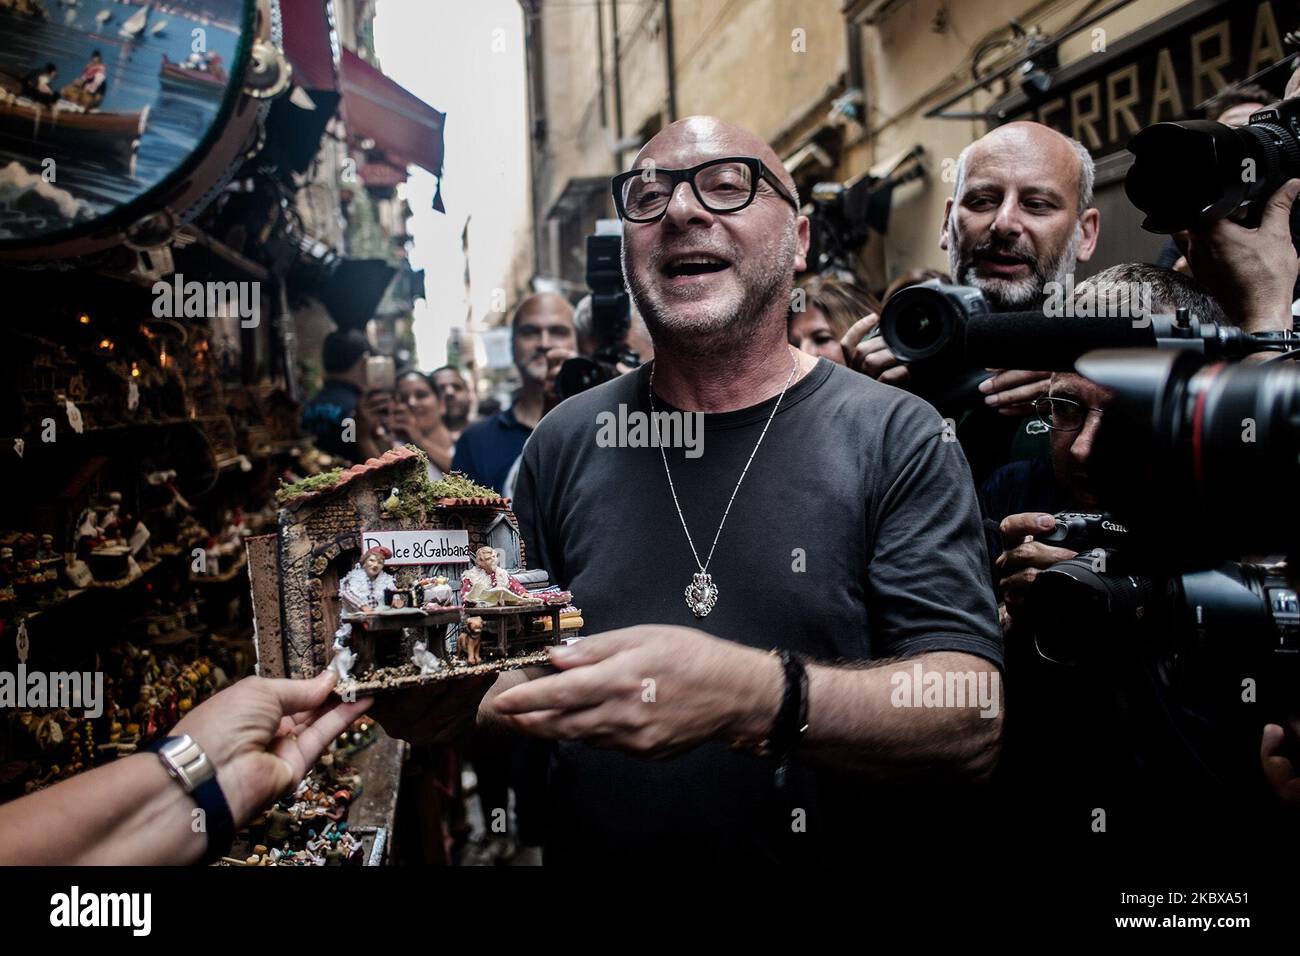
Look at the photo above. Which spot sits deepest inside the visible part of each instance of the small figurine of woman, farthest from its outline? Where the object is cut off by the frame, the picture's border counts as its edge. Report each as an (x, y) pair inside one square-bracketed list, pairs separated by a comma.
[(363, 587), (485, 583)]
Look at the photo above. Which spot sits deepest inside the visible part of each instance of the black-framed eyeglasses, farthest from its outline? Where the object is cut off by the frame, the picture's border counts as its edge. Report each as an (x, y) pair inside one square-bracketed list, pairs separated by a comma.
[(721, 185), (1063, 414)]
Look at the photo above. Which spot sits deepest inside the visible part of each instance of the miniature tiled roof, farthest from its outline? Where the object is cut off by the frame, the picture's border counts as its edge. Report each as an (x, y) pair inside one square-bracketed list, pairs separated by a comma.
[(496, 501), (386, 460)]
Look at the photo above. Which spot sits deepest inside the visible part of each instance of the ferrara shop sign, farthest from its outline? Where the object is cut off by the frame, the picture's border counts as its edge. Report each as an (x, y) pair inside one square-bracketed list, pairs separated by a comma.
[(1161, 71)]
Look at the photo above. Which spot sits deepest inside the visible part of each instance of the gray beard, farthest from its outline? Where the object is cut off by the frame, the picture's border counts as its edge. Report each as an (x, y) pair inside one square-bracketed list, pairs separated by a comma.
[(1016, 294), (721, 328)]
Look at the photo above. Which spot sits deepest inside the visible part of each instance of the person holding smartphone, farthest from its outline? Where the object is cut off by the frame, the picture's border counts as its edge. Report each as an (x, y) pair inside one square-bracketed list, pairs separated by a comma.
[(374, 433)]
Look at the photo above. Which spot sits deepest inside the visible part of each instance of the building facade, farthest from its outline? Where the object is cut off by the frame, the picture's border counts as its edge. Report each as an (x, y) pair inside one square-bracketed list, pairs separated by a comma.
[(863, 94)]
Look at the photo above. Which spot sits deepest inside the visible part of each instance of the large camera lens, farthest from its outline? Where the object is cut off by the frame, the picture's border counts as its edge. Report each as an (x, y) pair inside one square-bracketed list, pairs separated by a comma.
[(1242, 612), (919, 330), (926, 323), (1198, 171), (1076, 606), (1192, 456)]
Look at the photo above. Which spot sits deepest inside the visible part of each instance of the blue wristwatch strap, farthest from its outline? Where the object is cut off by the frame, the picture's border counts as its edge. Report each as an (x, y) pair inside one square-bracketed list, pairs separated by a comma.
[(218, 822)]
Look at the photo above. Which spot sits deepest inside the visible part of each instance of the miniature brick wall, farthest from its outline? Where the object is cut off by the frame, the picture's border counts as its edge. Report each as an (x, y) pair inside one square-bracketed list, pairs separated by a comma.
[(310, 538)]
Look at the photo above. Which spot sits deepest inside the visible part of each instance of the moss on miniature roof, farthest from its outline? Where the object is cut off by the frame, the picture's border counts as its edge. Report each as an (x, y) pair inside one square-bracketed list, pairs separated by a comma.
[(309, 485), (457, 485), (417, 495)]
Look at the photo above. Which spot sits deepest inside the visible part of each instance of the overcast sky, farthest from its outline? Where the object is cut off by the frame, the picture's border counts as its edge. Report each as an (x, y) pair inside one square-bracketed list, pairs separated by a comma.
[(465, 59)]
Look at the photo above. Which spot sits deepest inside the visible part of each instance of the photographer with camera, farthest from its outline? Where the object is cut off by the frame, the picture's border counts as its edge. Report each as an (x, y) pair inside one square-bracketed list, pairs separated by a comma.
[(612, 338), (1021, 497), (1224, 190), (1051, 743), (1021, 217), (542, 337), (631, 349)]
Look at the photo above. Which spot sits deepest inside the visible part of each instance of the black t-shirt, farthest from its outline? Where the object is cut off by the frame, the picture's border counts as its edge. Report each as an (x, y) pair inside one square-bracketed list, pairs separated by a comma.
[(855, 535)]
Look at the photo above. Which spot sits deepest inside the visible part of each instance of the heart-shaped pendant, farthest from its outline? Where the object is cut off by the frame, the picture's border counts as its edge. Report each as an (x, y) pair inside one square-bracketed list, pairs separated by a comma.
[(701, 594)]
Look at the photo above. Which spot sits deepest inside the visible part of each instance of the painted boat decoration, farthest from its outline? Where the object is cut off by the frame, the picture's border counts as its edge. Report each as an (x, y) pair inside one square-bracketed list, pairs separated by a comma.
[(110, 138)]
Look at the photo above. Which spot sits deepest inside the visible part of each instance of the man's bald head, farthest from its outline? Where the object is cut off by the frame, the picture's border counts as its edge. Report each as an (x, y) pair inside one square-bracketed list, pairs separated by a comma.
[(1027, 138), (542, 303), (709, 137)]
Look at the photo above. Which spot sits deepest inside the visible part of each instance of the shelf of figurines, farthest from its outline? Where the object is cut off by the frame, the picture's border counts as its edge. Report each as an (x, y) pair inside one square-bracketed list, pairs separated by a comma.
[(112, 552), (134, 696), (95, 369)]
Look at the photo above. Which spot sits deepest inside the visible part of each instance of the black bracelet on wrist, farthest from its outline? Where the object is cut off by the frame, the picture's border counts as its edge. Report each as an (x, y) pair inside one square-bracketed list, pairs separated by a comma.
[(792, 718)]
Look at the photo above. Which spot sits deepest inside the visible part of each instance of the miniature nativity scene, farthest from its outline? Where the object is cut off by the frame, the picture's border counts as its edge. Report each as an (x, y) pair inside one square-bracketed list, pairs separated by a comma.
[(394, 580)]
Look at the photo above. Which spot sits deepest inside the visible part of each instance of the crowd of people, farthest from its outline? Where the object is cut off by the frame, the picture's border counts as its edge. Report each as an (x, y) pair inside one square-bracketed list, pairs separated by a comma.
[(832, 537)]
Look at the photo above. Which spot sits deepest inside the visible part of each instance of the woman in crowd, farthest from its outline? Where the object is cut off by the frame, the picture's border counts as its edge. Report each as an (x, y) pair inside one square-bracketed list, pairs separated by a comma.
[(822, 311), (416, 418)]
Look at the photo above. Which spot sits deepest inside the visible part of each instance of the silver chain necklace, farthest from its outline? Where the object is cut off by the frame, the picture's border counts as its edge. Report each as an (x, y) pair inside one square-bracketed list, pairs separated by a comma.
[(702, 593)]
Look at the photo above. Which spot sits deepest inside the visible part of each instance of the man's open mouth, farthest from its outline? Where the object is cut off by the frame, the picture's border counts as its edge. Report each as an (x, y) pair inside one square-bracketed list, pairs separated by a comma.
[(1002, 260), (693, 265)]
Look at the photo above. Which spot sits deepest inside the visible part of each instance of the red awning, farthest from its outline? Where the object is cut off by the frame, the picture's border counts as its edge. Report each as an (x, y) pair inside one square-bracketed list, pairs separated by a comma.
[(381, 175), (406, 128), (311, 43)]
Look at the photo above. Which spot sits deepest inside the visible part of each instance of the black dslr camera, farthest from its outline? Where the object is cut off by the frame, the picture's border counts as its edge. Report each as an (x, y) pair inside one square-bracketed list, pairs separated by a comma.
[(611, 318), (948, 335), (1179, 459), (1196, 171), (1085, 531), (1199, 632)]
